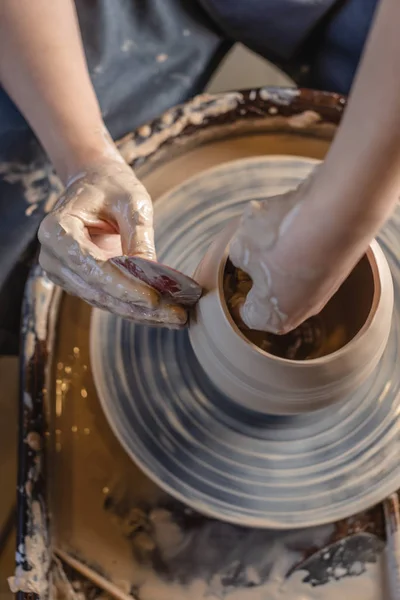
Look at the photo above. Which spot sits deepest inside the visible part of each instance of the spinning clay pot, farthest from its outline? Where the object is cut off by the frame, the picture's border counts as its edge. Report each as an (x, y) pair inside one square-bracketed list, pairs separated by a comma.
[(353, 330)]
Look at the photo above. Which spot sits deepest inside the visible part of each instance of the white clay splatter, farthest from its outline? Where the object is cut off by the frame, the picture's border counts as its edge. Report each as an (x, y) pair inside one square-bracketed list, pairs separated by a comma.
[(304, 119), (41, 291), (31, 209), (280, 96), (98, 69), (127, 45), (36, 554), (367, 586), (32, 181), (193, 113)]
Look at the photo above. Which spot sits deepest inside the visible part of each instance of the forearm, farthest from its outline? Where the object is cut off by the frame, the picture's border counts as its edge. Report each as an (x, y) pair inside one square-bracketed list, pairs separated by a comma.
[(357, 187), (43, 69), (361, 174), (327, 223), (367, 147)]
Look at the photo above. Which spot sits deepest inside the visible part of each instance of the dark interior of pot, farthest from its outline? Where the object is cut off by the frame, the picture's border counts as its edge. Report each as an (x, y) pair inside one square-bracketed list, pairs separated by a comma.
[(335, 326)]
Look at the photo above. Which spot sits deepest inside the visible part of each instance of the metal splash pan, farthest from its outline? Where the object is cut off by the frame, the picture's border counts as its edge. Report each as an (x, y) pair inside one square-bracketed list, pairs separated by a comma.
[(82, 499)]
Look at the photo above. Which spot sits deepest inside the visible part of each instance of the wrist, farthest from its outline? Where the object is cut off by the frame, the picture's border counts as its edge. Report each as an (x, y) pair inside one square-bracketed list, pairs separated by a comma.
[(77, 154)]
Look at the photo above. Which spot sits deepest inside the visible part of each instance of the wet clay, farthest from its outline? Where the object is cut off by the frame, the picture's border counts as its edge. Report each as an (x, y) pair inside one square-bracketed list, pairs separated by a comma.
[(325, 333)]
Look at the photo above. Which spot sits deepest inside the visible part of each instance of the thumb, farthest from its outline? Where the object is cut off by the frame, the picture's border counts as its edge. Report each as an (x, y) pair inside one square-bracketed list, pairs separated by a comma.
[(137, 240), (135, 223)]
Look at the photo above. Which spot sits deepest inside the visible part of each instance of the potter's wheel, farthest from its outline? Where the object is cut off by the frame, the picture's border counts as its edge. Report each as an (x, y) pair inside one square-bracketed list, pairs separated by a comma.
[(276, 472)]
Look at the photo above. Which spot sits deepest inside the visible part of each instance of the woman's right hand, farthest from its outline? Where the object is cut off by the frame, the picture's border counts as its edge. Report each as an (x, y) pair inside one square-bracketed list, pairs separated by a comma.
[(105, 212)]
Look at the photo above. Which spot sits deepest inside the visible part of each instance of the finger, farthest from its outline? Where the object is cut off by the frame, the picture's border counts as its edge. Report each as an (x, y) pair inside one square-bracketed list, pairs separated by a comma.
[(67, 239), (262, 313), (170, 315), (135, 222)]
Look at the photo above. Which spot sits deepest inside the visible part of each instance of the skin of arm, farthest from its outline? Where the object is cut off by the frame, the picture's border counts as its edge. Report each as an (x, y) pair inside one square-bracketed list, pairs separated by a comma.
[(43, 69), (329, 221)]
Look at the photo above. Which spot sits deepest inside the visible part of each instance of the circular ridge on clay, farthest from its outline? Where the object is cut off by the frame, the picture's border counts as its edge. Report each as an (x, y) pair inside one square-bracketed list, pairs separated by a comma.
[(220, 458)]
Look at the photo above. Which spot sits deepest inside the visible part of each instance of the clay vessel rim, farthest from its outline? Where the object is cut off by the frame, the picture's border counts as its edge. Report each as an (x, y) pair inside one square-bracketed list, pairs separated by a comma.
[(370, 255)]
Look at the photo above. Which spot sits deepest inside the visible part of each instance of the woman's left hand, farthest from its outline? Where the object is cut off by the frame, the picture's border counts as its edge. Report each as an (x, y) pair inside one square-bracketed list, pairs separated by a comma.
[(297, 255)]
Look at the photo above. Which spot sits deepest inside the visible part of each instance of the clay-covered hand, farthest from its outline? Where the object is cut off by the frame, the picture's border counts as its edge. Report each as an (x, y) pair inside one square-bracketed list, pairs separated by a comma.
[(105, 212), (297, 253)]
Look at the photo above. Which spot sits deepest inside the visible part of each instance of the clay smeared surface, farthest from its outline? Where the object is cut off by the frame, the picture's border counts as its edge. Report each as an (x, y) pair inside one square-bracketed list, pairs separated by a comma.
[(39, 184)]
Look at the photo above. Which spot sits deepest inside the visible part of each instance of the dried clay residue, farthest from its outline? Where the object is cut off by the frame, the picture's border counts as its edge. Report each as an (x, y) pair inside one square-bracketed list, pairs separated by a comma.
[(280, 96), (303, 343), (33, 555), (35, 326), (361, 587), (39, 184), (193, 113), (180, 554), (33, 558), (304, 120)]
